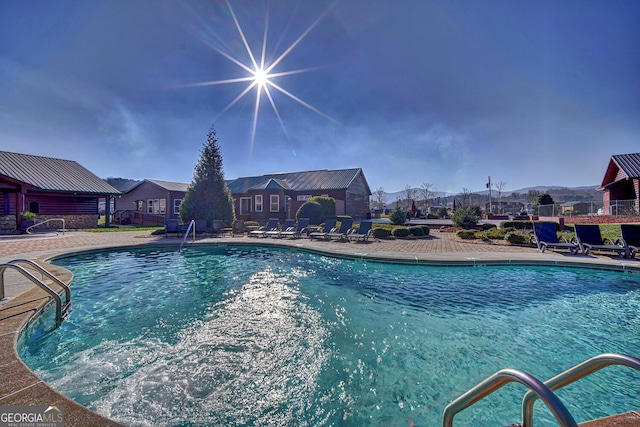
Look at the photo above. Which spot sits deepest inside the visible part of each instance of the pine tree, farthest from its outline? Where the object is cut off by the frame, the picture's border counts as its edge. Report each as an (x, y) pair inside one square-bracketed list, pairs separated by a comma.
[(208, 196)]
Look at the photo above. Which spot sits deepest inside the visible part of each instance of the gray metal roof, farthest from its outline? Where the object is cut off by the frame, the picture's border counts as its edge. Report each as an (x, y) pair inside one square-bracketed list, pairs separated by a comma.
[(168, 185), (49, 174), (628, 163), (297, 181)]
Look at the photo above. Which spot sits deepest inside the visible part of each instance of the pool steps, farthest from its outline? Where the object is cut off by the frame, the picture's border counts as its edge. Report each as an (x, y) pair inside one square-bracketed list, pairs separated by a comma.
[(544, 391), (62, 309)]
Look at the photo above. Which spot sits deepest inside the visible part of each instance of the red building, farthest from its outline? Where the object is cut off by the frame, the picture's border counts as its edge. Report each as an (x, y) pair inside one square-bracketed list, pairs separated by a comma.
[(48, 188), (621, 185)]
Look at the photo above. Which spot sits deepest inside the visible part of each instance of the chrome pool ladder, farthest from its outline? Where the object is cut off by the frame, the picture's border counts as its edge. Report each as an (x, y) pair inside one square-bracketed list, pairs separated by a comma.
[(537, 389), (62, 309)]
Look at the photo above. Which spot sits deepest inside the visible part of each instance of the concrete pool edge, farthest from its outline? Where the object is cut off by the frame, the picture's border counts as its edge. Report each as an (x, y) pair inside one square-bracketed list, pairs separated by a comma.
[(20, 386)]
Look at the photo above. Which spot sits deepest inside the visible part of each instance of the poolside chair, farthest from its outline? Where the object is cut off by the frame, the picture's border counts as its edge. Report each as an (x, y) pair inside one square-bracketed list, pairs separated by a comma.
[(545, 236), (217, 227), (287, 225), (630, 238), (341, 234), (362, 233), (329, 225), (272, 224), (589, 238), (172, 226), (238, 228), (200, 226), (303, 223)]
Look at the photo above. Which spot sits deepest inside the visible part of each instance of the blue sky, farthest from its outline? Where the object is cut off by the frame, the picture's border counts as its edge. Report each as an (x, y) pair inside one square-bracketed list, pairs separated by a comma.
[(440, 92)]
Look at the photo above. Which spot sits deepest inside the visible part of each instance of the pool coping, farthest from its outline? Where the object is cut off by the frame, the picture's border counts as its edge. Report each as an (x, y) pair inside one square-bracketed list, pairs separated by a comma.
[(20, 386)]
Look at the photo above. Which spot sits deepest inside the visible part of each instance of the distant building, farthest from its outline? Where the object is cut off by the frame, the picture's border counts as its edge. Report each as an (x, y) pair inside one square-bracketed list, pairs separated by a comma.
[(621, 185), (150, 202), (48, 188), (280, 195)]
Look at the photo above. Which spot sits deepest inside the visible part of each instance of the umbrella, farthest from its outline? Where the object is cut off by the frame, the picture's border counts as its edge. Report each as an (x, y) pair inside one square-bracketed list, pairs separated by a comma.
[(413, 208)]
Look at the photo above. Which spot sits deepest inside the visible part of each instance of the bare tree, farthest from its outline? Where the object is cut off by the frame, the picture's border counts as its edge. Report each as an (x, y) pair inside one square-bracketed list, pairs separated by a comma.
[(380, 197), (410, 194), (427, 193), (500, 187), (466, 196)]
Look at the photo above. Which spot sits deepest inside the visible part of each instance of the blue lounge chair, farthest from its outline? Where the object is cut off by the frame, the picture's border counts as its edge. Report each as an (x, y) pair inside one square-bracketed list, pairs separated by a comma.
[(345, 228), (287, 225), (545, 236), (238, 228), (172, 226), (362, 233), (589, 238), (272, 224), (303, 223), (630, 238), (329, 225)]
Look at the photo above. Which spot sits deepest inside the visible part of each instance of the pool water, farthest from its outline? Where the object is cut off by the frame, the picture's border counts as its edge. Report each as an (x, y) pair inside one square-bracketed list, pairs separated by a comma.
[(257, 336)]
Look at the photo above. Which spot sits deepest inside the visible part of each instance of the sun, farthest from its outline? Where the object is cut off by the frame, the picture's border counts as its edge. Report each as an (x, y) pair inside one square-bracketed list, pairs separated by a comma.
[(260, 77)]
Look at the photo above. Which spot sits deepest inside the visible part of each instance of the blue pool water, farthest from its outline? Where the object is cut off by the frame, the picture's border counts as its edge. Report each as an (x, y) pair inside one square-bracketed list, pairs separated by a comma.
[(256, 336)]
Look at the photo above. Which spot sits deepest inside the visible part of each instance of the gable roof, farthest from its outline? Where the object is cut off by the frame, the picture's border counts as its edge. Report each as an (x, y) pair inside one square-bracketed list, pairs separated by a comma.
[(621, 167), (50, 174), (167, 185), (298, 181)]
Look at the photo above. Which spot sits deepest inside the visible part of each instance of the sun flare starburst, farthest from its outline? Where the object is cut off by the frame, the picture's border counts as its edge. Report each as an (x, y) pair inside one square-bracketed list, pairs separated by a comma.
[(260, 76)]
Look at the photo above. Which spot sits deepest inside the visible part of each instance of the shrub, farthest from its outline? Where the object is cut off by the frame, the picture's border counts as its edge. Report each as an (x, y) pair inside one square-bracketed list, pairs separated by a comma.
[(466, 216), (341, 218), (515, 238), (328, 205), (381, 233), (251, 224), (313, 211), (416, 231), (497, 233), (518, 225), (466, 234), (486, 227), (426, 230), (398, 216), (400, 232)]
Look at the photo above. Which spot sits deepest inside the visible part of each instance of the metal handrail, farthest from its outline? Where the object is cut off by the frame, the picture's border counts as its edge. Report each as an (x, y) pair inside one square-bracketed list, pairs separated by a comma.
[(573, 374), (41, 270), (500, 379), (29, 229), (192, 224), (39, 283)]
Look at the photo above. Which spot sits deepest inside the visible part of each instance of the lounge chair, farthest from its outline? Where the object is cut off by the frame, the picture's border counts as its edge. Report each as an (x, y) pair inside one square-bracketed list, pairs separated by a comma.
[(329, 225), (217, 227), (341, 234), (589, 238), (630, 238), (238, 228), (200, 226), (272, 224), (303, 223), (545, 236), (362, 233), (287, 225), (172, 226)]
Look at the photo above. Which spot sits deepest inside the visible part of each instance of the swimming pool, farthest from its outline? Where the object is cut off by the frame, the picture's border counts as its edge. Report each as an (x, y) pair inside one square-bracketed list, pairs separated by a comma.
[(255, 336)]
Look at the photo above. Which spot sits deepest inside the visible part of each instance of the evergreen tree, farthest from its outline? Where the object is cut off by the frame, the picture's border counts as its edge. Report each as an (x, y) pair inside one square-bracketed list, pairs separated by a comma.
[(208, 196)]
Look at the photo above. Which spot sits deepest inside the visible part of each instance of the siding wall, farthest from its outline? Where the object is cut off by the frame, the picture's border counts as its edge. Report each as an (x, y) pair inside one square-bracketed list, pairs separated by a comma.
[(144, 192)]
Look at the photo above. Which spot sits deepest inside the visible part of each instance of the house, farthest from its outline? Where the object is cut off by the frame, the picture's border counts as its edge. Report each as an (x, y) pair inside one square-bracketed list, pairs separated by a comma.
[(280, 195), (48, 188), (575, 208), (621, 185), (150, 201)]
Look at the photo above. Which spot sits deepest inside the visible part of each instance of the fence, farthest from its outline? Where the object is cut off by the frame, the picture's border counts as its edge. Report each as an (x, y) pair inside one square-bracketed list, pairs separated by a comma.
[(618, 208)]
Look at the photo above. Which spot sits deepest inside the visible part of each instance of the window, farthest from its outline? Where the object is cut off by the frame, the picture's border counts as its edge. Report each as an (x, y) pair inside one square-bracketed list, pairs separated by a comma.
[(176, 206), (156, 206), (34, 207), (258, 203), (303, 198), (245, 205), (139, 205), (274, 203)]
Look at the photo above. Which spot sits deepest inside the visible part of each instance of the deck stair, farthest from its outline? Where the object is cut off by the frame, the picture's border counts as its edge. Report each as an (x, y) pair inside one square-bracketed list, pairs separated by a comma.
[(545, 392)]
